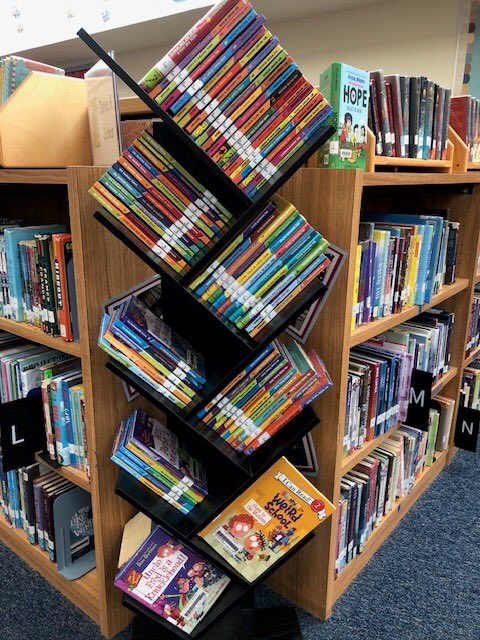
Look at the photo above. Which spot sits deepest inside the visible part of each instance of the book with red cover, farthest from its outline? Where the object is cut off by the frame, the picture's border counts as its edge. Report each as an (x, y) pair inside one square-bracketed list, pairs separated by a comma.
[(459, 116), (62, 254)]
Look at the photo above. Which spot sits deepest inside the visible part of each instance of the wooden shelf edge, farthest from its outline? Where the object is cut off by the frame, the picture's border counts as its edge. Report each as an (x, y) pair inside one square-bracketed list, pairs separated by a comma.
[(388, 524), (372, 329), (26, 331), (444, 380), (386, 179), (133, 106), (475, 353), (83, 593), (79, 478), (383, 161), (33, 176), (473, 166), (353, 459)]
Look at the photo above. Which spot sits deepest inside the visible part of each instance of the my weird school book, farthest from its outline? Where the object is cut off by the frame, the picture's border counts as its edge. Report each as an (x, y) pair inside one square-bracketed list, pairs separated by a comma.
[(172, 580), (272, 516)]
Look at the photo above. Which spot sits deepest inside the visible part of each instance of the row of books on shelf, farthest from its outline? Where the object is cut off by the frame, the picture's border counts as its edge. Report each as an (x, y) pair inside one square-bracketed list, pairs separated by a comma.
[(401, 260), (465, 119), (14, 69), (233, 89), (370, 491), (64, 414), (380, 374), (28, 497), (249, 536), (27, 368), (473, 337), (470, 389), (37, 278), (409, 116)]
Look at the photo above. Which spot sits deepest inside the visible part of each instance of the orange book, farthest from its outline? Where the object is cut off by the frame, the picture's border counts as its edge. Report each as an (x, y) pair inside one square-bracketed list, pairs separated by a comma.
[(268, 520), (62, 253)]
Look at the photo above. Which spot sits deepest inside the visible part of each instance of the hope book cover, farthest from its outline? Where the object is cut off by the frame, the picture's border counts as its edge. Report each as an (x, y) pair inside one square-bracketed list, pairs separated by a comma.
[(172, 580), (347, 89), (272, 516)]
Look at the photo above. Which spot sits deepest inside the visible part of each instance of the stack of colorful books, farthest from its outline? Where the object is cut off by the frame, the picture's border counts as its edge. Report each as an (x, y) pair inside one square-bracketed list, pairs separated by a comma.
[(236, 92), (145, 344), (158, 200), (152, 454), (264, 268), (266, 395)]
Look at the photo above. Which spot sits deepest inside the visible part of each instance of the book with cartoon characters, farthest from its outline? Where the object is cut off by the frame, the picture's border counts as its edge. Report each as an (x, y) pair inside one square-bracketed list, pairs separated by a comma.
[(172, 580), (272, 516), (348, 90)]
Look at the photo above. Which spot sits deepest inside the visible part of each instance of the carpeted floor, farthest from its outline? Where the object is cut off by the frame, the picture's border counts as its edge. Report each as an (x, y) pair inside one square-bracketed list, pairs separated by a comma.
[(423, 584)]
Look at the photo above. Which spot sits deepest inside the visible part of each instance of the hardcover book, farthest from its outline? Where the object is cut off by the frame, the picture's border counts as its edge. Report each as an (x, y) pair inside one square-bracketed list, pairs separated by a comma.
[(269, 519), (347, 90), (172, 580)]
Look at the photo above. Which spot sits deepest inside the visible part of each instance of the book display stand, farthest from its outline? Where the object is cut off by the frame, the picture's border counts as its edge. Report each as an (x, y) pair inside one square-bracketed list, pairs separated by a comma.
[(229, 473)]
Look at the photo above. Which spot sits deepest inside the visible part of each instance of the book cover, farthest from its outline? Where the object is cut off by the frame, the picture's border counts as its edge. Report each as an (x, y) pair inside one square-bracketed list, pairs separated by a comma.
[(172, 580), (347, 89), (273, 515)]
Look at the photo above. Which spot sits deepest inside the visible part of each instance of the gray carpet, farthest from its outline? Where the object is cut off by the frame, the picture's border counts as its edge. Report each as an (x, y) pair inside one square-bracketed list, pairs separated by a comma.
[(423, 584)]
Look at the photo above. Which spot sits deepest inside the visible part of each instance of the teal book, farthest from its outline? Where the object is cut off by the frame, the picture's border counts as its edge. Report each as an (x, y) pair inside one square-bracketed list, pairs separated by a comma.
[(12, 238), (347, 89)]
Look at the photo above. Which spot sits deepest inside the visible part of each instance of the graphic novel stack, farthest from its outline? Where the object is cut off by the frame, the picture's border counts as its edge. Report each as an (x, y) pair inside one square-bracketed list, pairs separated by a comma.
[(264, 269), (151, 453), (236, 92), (266, 395)]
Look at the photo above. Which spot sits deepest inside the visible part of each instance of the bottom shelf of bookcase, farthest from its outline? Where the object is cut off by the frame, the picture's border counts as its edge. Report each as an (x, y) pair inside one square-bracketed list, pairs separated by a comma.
[(83, 593), (388, 524)]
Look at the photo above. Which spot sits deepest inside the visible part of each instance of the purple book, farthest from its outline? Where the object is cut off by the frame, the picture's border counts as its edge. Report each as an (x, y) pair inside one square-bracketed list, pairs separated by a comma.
[(369, 281), (172, 580)]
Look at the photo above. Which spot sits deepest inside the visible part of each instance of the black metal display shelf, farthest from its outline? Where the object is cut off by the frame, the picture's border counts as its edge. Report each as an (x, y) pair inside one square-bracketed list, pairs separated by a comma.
[(206, 441), (238, 588), (199, 163), (225, 481)]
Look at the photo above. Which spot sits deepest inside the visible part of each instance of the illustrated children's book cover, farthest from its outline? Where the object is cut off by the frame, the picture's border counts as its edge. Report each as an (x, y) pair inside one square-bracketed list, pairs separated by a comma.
[(273, 515), (347, 89), (172, 580)]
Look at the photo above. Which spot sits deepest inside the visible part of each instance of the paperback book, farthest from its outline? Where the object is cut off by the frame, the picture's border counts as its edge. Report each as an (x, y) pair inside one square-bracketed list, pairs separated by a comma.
[(267, 521), (172, 580)]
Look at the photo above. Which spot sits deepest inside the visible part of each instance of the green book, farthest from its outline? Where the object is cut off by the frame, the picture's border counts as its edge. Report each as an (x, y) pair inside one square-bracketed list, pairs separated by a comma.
[(432, 437), (347, 89)]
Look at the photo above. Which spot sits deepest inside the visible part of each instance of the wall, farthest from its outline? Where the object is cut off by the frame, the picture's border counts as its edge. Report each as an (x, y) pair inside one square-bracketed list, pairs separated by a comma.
[(413, 37)]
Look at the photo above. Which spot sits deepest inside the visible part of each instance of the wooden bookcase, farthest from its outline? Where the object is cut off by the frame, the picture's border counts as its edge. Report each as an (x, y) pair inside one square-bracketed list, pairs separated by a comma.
[(62, 196), (333, 201)]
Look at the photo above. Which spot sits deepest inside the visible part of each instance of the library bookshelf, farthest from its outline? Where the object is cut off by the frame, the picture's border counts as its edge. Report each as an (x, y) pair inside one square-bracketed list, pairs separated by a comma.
[(308, 578), (62, 196)]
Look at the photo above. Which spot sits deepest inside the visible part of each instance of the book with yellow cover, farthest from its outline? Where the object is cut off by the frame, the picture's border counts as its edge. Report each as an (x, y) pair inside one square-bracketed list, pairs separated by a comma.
[(263, 524)]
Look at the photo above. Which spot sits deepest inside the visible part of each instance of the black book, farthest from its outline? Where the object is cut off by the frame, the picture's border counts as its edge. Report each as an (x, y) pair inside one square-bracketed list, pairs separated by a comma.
[(422, 115), (429, 107), (385, 125), (376, 122), (415, 90), (451, 259), (446, 118), (405, 98)]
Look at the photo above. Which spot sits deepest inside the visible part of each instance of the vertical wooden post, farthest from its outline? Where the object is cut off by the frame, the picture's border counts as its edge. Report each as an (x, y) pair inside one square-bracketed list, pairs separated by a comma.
[(331, 201), (104, 267)]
